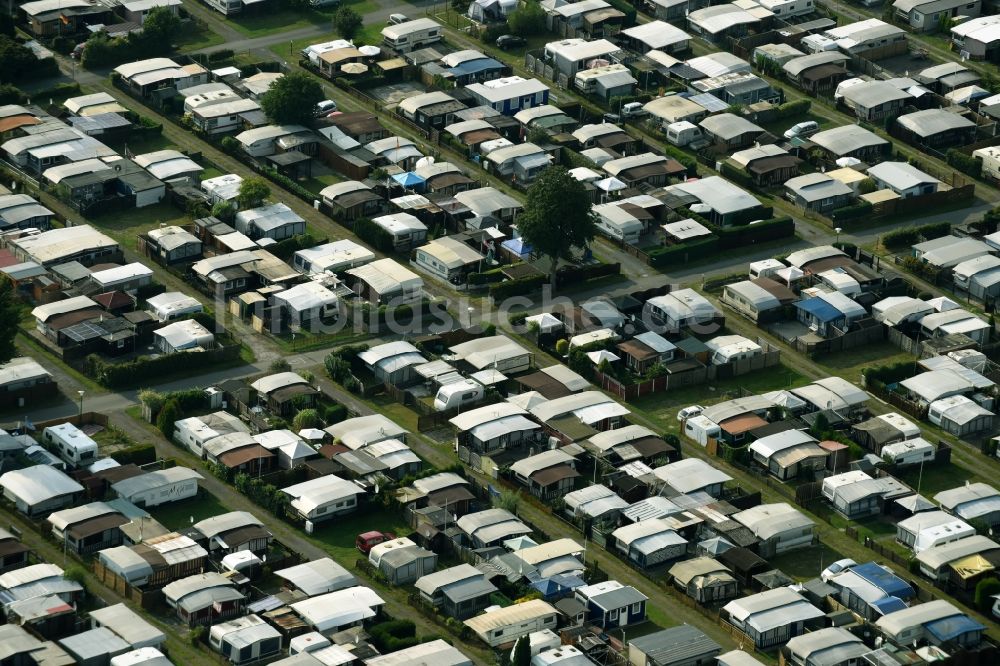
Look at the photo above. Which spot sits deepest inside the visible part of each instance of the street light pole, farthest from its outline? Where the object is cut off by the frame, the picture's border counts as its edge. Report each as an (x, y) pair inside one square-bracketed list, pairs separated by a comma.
[(81, 393), (838, 230)]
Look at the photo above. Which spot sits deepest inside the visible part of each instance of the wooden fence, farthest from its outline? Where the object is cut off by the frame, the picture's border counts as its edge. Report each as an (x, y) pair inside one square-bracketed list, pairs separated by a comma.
[(700, 375), (849, 340)]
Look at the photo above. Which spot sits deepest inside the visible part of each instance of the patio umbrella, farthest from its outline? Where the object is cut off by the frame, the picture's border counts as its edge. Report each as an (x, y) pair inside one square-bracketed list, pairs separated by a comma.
[(610, 184), (312, 434), (354, 68), (369, 50), (848, 161)]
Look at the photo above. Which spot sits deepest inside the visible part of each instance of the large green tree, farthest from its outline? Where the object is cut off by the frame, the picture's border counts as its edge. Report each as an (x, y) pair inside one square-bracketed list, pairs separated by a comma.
[(253, 192), (10, 315), (17, 62), (347, 22), (557, 216), (527, 20), (292, 99), (160, 27)]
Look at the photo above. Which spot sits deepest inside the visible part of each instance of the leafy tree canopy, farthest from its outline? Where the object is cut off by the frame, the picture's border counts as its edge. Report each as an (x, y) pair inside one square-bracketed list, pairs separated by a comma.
[(557, 215), (292, 99)]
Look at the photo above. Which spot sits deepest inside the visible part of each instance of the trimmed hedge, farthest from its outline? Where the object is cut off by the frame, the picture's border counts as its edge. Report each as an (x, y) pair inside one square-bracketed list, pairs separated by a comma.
[(374, 235), (903, 238), (502, 290), (967, 164), (682, 254), (574, 274), (141, 454), (792, 109), (284, 249), (779, 227), (851, 212), (145, 369)]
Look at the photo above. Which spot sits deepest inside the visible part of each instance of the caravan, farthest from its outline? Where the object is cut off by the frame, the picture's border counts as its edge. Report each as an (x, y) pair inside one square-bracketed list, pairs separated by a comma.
[(71, 444), (462, 393), (227, 7)]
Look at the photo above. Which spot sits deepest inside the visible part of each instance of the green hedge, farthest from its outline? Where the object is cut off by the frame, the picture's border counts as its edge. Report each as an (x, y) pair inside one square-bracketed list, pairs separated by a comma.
[(146, 369), (735, 174), (284, 249), (761, 232), (627, 9), (502, 290), (851, 212), (141, 454), (682, 254), (904, 238), (689, 162), (967, 164), (576, 274), (799, 107)]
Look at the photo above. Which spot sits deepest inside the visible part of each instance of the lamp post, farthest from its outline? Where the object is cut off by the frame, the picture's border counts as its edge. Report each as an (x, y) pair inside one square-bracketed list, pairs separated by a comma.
[(838, 230), (81, 394)]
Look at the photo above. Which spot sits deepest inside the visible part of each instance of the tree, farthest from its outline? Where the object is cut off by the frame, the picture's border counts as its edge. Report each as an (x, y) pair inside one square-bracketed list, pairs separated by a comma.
[(159, 28), (170, 414), (347, 22), (292, 99), (521, 656), (527, 20), (17, 62), (307, 418), (10, 315), (985, 590), (557, 216), (253, 192)]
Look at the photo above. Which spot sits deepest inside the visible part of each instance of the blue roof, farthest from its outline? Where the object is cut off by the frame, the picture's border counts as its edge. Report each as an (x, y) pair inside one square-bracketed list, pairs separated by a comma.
[(820, 309), (888, 605), (888, 582), (475, 66), (950, 628)]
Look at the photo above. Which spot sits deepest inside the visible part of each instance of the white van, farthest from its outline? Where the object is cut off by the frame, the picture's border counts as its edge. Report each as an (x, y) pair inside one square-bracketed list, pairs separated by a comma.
[(70, 444), (683, 133), (458, 394)]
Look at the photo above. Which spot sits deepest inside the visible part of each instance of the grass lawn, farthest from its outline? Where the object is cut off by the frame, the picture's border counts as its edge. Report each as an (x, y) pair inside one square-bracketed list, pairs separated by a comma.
[(265, 23), (805, 563), (211, 172), (662, 407), (305, 341), (146, 144), (196, 36), (936, 478), (125, 225), (777, 128), (369, 34), (849, 363), (178, 515), (338, 535), (401, 414)]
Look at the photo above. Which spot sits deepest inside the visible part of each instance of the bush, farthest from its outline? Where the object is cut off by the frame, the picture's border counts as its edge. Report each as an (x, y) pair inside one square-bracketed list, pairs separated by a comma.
[(967, 164), (562, 346), (682, 254), (394, 635), (527, 20), (793, 109), (334, 414), (743, 236), (985, 590), (141, 454), (170, 414), (286, 248), (577, 274)]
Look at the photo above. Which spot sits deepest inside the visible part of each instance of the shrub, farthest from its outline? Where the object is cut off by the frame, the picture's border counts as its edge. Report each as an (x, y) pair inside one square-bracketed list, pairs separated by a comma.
[(967, 164), (853, 212), (374, 235), (518, 287), (334, 414), (141, 454), (985, 590), (170, 414), (904, 238), (562, 346)]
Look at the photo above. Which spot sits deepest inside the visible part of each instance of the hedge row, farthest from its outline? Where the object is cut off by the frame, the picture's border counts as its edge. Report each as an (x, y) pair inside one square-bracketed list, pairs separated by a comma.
[(146, 369), (967, 164), (284, 249), (851, 212), (373, 235), (681, 254), (903, 238), (503, 290), (575, 274), (761, 232)]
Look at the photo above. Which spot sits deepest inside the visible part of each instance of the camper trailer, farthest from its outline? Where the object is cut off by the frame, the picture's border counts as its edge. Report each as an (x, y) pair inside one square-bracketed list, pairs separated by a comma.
[(74, 447), (227, 7), (683, 133), (458, 394), (701, 429), (911, 452)]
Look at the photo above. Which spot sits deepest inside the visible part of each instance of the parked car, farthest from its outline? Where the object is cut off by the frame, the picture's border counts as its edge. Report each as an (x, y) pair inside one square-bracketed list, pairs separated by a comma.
[(690, 412), (805, 128), (368, 540), (325, 108), (77, 51), (836, 568), (509, 41), (396, 19)]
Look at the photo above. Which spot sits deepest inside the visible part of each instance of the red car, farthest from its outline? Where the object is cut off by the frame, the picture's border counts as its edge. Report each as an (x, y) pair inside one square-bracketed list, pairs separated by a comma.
[(367, 540)]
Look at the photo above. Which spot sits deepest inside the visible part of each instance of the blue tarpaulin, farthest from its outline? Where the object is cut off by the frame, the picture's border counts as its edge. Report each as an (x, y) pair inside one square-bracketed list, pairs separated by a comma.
[(950, 628), (888, 582), (820, 309), (409, 179)]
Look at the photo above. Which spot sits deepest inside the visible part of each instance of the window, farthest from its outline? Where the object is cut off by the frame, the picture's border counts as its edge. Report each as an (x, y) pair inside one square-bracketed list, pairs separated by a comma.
[(613, 615), (636, 608)]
